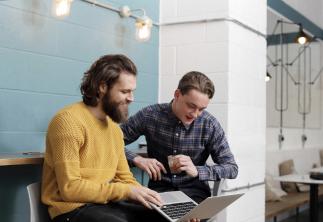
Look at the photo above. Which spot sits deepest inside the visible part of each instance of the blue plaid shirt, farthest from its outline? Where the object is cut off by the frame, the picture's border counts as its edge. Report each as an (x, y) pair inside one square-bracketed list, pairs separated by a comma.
[(166, 135)]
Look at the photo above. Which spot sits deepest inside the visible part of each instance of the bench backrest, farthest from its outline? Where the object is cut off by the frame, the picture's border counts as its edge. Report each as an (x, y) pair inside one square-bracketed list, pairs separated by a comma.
[(303, 159)]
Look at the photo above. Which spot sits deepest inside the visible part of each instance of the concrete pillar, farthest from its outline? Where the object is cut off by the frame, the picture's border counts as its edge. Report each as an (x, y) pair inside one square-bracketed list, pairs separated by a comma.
[(224, 39)]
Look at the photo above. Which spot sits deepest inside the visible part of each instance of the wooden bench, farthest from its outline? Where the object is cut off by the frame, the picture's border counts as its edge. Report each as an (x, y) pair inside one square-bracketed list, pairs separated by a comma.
[(290, 202), (304, 160)]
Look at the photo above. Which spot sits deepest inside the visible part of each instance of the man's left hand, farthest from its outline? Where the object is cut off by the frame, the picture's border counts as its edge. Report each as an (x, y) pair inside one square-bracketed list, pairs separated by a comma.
[(194, 220), (184, 163)]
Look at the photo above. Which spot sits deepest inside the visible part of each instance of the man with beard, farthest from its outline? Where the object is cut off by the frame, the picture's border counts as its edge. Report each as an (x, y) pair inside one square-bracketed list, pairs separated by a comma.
[(86, 177), (181, 135)]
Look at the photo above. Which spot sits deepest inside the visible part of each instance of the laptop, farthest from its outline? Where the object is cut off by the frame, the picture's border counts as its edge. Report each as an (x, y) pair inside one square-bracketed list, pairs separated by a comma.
[(179, 207)]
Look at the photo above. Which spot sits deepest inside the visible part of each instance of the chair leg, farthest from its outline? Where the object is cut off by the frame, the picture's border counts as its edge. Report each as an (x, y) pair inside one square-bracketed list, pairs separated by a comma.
[(275, 219), (297, 213)]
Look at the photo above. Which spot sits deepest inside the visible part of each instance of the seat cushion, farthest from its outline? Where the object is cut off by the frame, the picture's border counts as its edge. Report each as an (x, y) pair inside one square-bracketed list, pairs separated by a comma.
[(273, 189), (285, 168)]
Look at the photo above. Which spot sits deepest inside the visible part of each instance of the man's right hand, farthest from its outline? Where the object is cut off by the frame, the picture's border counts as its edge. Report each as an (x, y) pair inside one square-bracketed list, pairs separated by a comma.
[(151, 166), (145, 196)]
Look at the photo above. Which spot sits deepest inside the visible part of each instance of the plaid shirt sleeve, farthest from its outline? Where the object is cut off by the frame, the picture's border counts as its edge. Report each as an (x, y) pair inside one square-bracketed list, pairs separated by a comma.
[(225, 165), (132, 129), (130, 156)]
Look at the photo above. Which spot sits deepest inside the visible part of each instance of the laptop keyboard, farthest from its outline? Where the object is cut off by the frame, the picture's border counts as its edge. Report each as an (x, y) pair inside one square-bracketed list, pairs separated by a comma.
[(177, 210)]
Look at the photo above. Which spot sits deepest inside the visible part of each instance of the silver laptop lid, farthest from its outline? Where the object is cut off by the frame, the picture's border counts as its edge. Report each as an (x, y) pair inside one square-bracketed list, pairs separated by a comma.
[(206, 209), (210, 207)]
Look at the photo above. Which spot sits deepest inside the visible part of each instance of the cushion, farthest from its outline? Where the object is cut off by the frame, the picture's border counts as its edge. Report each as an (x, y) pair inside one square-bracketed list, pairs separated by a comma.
[(303, 187), (285, 168), (273, 189)]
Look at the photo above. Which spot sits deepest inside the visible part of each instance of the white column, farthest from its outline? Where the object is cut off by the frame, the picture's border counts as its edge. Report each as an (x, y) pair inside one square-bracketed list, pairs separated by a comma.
[(234, 57)]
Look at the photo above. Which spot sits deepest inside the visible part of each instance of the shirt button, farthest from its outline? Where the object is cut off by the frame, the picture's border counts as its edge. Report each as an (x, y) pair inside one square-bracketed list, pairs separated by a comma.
[(176, 134), (175, 151), (174, 176)]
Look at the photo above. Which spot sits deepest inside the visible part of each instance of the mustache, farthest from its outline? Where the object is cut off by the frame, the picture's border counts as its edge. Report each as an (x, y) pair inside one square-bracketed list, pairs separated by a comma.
[(117, 111), (124, 103)]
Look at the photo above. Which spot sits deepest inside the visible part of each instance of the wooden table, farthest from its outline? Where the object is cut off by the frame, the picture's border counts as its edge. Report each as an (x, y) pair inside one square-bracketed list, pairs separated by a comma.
[(26, 158), (34, 158), (29, 158)]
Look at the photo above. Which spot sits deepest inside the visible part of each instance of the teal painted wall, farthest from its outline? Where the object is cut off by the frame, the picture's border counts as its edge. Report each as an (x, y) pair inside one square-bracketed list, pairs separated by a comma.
[(42, 60)]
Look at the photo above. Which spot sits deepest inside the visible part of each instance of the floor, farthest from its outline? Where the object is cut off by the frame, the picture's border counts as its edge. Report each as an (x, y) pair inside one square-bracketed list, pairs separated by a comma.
[(304, 216)]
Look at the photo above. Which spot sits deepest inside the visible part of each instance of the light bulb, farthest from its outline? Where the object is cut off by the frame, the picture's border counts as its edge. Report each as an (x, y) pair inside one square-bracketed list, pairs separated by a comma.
[(62, 8), (143, 28), (267, 77), (302, 37), (302, 40)]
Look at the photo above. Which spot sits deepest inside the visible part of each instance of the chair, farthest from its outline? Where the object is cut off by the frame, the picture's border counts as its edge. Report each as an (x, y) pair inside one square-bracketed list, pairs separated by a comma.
[(38, 211), (216, 187)]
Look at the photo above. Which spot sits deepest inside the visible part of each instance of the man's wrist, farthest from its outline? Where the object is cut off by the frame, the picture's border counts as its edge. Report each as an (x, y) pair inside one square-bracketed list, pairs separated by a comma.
[(203, 173), (130, 156), (137, 159), (196, 173)]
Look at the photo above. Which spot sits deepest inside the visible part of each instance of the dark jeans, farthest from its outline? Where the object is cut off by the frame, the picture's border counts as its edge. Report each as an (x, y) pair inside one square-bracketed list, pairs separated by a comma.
[(112, 212)]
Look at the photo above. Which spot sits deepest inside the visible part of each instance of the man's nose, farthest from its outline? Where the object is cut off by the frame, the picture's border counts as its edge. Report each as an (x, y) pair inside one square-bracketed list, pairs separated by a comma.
[(130, 98), (196, 113)]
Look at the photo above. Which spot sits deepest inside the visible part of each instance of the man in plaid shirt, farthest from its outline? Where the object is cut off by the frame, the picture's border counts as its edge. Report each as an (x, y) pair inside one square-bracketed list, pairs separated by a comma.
[(180, 136)]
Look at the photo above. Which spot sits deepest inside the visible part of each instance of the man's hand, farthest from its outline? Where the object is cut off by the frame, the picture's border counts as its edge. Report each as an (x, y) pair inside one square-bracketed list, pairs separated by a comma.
[(184, 163), (194, 220), (152, 166), (145, 195)]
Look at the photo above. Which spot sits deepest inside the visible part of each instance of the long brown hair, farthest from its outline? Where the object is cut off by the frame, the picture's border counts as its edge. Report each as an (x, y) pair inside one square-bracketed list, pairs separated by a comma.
[(106, 69)]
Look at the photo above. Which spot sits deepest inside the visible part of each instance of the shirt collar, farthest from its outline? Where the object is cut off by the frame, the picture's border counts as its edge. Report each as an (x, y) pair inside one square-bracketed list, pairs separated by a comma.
[(173, 117)]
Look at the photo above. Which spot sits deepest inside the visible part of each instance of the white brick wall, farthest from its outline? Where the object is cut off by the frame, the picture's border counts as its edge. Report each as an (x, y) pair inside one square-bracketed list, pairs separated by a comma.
[(254, 198), (179, 10), (250, 12), (235, 59)]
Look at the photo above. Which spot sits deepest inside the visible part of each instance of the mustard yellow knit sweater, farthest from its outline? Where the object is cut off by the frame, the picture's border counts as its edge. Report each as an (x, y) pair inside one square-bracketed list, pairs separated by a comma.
[(84, 161)]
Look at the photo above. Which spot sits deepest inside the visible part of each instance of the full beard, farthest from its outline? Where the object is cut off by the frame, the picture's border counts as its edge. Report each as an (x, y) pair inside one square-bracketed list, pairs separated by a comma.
[(115, 109)]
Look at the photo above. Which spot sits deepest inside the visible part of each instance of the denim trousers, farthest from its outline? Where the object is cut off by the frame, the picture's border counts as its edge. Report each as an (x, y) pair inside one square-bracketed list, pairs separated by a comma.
[(122, 211)]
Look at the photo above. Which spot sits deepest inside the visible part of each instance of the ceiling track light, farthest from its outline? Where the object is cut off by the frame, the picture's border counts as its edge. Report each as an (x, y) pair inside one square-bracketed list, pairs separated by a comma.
[(62, 8), (302, 37), (143, 23)]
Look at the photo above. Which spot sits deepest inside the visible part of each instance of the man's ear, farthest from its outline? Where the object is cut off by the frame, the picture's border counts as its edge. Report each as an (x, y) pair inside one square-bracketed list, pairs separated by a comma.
[(177, 93), (103, 88)]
